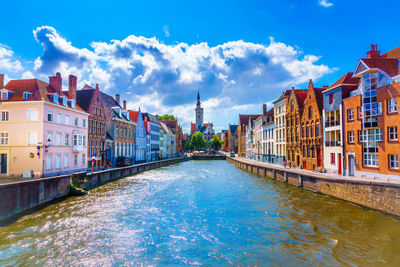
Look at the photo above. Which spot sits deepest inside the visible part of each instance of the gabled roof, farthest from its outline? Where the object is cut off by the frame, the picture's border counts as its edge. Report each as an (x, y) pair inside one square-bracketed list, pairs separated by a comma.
[(40, 91), (285, 94), (346, 79), (245, 118), (388, 65), (84, 97), (301, 95), (394, 53), (233, 128), (134, 115)]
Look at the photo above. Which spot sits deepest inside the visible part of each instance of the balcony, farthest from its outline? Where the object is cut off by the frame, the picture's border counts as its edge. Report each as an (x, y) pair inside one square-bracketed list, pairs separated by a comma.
[(332, 123), (332, 143), (77, 149)]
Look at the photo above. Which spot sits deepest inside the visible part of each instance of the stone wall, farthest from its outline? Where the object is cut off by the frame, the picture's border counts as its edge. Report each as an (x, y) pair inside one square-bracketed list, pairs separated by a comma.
[(21, 197), (381, 196)]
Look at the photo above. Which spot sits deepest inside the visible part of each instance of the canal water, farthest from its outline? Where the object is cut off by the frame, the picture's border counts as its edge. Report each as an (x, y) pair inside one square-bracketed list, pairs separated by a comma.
[(200, 213)]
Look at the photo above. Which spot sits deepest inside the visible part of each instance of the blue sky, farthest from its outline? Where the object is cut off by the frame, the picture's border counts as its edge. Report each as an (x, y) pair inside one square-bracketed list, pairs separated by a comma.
[(239, 54)]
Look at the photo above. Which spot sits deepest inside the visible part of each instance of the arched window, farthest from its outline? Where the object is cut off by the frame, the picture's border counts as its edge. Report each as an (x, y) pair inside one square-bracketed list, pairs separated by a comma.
[(309, 112)]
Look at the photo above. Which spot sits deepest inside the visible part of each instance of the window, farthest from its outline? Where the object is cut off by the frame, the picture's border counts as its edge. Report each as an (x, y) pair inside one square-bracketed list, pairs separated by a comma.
[(58, 139), (362, 136), (4, 115), (307, 131), (76, 121), (32, 138), (370, 159), (350, 114), (83, 159), (49, 138), (392, 133), (350, 137), (360, 113), (392, 105), (4, 95), (66, 161), (75, 140), (59, 118), (58, 161), (84, 140), (32, 115), (393, 161), (79, 140), (55, 98), (308, 151), (332, 158), (4, 138), (67, 119), (50, 116), (309, 112), (66, 139), (26, 95), (316, 130), (84, 123), (312, 130), (331, 98), (75, 160), (48, 162)]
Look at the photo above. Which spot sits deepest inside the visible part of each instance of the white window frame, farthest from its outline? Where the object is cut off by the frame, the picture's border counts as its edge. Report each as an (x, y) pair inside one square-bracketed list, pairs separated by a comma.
[(394, 162), (59, 118), (392, 133), (4, 95), (58, 161), (83, 159), (66, 139), (5, 115), (3, 138), (49, 134), (49, 161), (76, 121), (51, 114), (58, 139), (392, 105), (32, 114), (75, 159), (32, 133), (67, 120), (350, 114), (66, 161), (350, 137)]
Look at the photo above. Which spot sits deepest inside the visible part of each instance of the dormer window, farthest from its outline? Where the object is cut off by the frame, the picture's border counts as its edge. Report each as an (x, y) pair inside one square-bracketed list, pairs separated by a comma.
[(27, 95), (64, 100), (4, 94), (72, 103), (55, 98)]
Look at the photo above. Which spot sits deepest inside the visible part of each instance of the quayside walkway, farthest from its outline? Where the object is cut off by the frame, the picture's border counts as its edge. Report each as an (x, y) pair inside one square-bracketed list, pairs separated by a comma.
[(374, 194), (319, 174)]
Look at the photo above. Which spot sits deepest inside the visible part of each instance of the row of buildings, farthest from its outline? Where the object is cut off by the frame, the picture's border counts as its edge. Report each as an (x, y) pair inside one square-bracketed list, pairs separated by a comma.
[(47, 131), (349, 128)]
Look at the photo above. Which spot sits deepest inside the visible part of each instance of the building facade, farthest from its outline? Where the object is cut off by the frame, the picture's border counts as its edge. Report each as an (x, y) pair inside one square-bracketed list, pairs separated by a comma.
[(43, 131), (153, 127), (280, 127), (294, 110), (269, 138), (334, 138), (311, 129), (89, 99), (140, 136), (232, 145), (243, 133)]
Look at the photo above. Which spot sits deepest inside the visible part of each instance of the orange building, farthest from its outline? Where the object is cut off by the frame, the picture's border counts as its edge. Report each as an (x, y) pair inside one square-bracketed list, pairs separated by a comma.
[(232, 145), (311, 129), (294, 110), (372, 118)]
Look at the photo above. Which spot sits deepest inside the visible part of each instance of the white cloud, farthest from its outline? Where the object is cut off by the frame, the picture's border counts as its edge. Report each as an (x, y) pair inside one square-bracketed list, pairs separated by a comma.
[(232, 77), (8, 62), (325, 3)]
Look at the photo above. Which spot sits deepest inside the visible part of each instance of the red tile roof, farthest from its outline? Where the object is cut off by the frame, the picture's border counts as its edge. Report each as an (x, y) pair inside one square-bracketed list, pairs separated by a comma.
[(244, 118), (388, 65), (40, 91), (285, 94), (133, 115), (301, 95), (192, 127), (346, 79), (394, 53)]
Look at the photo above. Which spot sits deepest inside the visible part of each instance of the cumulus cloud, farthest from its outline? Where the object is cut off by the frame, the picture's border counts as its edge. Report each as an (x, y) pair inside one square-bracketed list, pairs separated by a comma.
[(325, 3), (8, 62), (163, 78)]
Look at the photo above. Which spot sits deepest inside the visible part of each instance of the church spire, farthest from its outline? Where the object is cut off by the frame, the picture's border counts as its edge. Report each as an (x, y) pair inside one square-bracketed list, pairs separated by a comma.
[(198, 96)]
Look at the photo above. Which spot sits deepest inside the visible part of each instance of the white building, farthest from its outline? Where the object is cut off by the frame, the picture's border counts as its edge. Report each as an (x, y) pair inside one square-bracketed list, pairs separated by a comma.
[(280, 127), (268, 138)]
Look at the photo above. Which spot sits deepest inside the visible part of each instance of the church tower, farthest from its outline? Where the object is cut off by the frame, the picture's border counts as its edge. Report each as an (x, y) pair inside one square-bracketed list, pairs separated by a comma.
[(199, 113)]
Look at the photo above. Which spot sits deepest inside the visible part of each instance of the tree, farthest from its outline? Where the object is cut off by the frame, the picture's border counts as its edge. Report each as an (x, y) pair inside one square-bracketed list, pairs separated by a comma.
[(187, 146), (197, 141), (216, 143), (168, 117)]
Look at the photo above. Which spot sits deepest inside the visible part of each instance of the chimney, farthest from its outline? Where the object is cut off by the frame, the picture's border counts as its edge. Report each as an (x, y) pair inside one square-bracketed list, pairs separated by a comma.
[(117, 97), (55, 82), (374, 53), (1, 81), (124, 104), (264, 109), (72, 81)]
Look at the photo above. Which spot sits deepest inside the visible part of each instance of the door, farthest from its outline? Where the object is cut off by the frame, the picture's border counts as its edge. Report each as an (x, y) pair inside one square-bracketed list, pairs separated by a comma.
[(318, 157), (351, 165), (340, 163), (3, 163), (304, 164)]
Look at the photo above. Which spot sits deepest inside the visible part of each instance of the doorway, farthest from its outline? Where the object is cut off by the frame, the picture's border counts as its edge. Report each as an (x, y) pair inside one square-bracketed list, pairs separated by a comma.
[(352, 165), (3, 163), (339, 163)]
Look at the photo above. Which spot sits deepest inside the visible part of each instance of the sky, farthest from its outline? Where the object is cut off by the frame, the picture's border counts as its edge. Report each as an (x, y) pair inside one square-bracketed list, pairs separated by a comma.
[(159, 54)]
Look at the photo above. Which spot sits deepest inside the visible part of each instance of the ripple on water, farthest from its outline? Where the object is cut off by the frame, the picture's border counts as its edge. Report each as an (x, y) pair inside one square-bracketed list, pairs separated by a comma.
[(200, 213)]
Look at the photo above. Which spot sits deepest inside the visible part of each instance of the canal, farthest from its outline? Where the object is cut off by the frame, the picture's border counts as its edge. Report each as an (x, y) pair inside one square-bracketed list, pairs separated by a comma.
[(200, 213)]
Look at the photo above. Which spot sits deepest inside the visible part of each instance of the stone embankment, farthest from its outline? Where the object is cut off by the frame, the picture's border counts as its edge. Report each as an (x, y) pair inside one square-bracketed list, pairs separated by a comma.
[(20, 197), (378, 195)]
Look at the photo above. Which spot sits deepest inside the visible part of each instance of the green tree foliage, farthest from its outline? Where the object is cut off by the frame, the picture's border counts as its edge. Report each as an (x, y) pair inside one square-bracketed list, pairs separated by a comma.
[(167, 116), (197, 141), (216, 143), (187, 146)]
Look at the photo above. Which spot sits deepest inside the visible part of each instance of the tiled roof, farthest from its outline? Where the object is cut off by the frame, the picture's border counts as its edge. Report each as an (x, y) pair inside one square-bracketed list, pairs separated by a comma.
[(301, 95), (346, 79), (40, 91), (388, 65), (285, 94), (244, 118), (84, 97), (394, 53), (192, 127), (134, 115), (109, 102)]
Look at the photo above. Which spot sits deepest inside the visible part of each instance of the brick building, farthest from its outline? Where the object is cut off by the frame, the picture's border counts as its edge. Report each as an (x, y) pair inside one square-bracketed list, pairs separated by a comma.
[(294, 111), (89, 99), (372, 117), (311, 129), (232, 143), (280, 126)]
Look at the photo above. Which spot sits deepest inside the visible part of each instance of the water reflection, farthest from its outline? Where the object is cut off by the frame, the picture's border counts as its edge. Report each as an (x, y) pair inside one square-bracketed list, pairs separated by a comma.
[(201, 213)]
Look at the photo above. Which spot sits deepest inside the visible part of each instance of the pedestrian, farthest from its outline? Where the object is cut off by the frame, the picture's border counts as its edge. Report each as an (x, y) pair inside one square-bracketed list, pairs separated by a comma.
[(284, 164)]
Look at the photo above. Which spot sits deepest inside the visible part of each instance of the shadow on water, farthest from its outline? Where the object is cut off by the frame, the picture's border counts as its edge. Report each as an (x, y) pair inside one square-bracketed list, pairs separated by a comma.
[(201, 213)]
